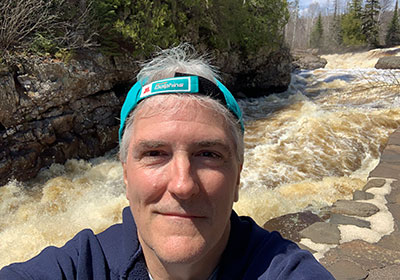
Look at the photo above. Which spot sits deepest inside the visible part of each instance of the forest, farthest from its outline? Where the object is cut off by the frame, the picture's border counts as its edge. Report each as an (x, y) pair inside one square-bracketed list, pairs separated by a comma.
[(59, 27), (343, 25)]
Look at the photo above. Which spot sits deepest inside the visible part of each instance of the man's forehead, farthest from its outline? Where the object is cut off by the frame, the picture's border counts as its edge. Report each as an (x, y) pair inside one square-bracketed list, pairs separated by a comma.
[(173, 107), (213, 127)]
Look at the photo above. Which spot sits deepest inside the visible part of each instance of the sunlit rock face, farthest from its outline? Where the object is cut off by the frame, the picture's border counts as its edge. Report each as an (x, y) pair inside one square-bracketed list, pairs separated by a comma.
[(52, 110)]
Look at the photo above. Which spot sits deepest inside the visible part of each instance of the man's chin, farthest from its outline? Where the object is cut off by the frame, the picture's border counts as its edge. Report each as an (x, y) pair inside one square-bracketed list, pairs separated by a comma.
[(180, 250)]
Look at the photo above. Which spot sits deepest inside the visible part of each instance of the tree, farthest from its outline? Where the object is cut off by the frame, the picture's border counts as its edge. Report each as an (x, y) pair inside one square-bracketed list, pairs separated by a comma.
[(370, 27), (249, 25), (291, 27), (316, 40), (393, 33), (336, 29), (46, 26), (20, 19), (146, 23), (386, 5), (351, 25), (141, 26), (357, 6)]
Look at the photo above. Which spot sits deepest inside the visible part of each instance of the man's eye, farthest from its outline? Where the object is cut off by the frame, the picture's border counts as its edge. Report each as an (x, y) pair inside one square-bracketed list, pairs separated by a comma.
[(153, 154), (209, 154)]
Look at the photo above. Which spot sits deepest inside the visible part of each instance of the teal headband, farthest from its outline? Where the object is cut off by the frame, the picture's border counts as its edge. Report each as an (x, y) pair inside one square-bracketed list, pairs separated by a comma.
[(179, 84)]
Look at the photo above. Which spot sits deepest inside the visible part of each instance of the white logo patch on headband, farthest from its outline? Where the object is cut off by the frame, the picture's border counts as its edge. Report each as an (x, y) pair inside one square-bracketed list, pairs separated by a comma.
[(171, 85)]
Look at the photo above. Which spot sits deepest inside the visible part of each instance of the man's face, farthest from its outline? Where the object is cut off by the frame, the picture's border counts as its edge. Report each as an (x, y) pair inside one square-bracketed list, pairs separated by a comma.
[(182, 177)]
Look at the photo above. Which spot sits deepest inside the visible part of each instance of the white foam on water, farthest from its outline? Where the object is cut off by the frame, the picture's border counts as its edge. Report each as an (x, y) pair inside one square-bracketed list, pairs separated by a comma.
[(382, 223), (321, 249), (366, 59), (80, 195), (350, 232), (263, 204)]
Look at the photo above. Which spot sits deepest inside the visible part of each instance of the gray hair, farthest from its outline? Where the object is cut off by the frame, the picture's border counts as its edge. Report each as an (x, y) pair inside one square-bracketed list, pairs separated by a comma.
[(183, 59), (179, 59)]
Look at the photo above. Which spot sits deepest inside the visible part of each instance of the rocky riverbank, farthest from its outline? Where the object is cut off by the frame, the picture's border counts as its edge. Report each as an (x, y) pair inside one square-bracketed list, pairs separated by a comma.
[(51, 111), (359, 238)]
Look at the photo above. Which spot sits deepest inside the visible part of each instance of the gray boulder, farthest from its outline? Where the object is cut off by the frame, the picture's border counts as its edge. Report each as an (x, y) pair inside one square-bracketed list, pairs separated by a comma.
[(307, 60), (388, 62), (291, 224)]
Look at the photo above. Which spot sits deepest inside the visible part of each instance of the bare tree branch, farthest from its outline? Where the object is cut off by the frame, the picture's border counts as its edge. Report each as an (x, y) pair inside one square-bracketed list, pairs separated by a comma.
[(20, 18)]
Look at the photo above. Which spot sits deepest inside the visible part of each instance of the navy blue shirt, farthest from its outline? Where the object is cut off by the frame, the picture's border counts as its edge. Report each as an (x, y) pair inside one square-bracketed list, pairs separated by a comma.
[(251, 253)]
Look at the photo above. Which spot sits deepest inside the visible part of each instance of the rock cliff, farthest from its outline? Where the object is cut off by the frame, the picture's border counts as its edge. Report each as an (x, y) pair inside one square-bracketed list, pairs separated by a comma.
[(52, 110)]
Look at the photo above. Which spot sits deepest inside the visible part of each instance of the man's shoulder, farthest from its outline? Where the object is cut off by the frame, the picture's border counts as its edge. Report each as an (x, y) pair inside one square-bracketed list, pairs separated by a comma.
[(249, 237), (84, 254), (255, 253), (53, 262)]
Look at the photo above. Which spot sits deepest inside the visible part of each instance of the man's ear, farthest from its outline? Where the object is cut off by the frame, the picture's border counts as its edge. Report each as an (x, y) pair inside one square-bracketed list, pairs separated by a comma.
[(236, 197), (125, 178), (125, 175)]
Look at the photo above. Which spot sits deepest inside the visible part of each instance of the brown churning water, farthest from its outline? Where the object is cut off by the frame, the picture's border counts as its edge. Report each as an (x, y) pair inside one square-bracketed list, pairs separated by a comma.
[(305, 148)]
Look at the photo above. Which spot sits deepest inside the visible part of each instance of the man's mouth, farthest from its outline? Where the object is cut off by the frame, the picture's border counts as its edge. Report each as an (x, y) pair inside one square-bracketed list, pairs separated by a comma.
[(182, 215)]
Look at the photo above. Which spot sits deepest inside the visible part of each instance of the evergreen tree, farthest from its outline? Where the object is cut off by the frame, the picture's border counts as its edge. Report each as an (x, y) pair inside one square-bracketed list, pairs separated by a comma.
[(356, 7), (316, 40), (393, 33), (141, 26), (370, 27), (336, 29), (351, 25), (249, 25)]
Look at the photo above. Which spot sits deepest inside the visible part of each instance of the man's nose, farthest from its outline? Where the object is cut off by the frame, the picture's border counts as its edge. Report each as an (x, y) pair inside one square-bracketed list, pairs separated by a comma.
[(182, 182)]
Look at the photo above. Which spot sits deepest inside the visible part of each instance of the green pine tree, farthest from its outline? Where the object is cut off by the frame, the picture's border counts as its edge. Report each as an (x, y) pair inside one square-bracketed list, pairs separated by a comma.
[(141, 26), (316, 40), (249, 25), (356, 7), (370, 27), (351, 25), (393, 33)]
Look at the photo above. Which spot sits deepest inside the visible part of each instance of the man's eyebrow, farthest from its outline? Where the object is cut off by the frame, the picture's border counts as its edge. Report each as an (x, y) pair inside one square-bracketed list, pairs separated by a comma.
[(154, 144), (215, 143), (150, 144)]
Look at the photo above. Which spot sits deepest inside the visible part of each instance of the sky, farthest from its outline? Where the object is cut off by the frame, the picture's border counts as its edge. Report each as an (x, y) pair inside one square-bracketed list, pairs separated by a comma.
[(305, 3)]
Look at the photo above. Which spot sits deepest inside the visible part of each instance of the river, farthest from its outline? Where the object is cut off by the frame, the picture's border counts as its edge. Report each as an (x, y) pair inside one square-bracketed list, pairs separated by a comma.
[(305, 149)]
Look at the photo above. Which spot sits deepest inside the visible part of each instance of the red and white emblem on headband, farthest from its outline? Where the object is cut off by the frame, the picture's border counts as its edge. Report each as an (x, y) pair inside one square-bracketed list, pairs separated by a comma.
[(145, 91)]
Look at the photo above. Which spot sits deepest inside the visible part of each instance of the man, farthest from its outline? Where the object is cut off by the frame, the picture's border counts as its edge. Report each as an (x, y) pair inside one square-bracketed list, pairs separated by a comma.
[(181, 146)]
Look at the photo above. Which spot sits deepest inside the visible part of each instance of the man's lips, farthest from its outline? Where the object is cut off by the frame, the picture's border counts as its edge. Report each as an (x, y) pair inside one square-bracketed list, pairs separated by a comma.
[(181, 215)]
